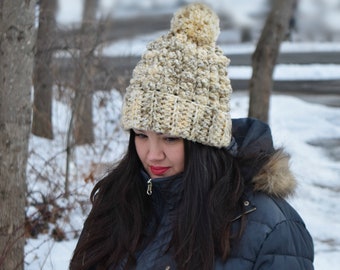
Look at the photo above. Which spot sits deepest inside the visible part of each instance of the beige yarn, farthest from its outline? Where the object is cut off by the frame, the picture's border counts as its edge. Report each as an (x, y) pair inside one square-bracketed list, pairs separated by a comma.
[(180, 86)]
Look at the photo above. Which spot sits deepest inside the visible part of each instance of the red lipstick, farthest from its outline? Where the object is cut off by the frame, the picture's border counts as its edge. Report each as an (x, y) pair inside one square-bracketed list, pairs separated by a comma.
[(158, 170)]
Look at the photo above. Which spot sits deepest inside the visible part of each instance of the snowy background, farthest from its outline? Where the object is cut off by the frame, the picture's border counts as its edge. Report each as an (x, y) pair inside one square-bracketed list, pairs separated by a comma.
[(310, 132)]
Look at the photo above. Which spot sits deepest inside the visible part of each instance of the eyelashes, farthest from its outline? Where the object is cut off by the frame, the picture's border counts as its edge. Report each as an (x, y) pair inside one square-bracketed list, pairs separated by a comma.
[(169, 139)]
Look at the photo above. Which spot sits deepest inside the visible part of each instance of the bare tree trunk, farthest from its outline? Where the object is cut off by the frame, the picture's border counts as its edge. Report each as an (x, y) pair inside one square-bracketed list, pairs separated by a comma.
[(42, 74), (264, 58), (17, 38), (83, 126)]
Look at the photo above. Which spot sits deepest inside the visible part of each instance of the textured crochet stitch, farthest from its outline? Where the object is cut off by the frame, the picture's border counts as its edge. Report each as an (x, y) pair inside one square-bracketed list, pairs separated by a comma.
[(180, 86)]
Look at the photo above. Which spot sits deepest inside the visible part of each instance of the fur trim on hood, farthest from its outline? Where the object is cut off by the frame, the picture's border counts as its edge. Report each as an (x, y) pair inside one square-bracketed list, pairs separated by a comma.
[(261, 164), (275, 177)]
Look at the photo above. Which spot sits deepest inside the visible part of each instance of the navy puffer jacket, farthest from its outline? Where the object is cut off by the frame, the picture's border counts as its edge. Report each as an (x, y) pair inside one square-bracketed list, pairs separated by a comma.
[(275, 237)]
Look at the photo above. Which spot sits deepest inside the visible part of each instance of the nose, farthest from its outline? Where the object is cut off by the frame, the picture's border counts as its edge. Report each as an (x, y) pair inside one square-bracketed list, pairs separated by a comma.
[(155, 152)]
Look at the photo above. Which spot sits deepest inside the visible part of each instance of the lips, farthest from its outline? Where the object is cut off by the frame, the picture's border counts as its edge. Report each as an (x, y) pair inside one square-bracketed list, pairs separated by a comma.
[(159, 170)]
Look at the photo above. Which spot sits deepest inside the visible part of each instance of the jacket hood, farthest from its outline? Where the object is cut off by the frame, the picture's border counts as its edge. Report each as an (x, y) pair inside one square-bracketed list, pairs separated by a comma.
[(263, 166)]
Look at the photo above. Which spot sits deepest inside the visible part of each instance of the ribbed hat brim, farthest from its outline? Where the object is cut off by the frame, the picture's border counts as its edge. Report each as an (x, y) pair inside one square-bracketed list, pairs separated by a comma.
[(170, 114)]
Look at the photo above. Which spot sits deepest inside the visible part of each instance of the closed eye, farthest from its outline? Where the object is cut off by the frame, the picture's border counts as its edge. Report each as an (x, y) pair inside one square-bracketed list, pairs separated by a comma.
[(171, 139), (139, 134)]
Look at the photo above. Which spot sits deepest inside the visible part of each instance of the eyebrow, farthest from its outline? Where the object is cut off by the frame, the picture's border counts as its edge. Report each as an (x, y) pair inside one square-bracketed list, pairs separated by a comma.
[(139, 130), (158, 133), (143, 131)]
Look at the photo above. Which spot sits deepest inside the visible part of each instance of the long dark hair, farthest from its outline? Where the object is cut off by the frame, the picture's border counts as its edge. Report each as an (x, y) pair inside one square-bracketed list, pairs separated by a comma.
[(212, 188), (212, 192)]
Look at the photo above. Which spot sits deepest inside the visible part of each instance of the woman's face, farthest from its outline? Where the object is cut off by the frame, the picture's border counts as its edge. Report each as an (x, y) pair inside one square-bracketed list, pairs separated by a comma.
[(161, 155)]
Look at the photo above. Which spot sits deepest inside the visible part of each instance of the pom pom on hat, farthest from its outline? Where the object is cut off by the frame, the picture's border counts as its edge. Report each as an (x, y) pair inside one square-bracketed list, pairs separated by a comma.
[(198, 23), (180, 86)]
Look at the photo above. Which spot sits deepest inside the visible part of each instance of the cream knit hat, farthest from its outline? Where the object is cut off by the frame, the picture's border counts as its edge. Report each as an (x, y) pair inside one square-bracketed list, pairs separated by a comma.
[(180, 86)]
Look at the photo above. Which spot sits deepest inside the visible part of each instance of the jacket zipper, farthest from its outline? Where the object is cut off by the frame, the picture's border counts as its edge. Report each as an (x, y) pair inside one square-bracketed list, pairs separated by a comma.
[(149, 188), (244, 213)]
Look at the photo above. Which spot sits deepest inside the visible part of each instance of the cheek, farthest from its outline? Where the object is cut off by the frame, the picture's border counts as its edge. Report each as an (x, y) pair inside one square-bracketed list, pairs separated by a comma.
[(139, 149), (178, 157), (182, 163)]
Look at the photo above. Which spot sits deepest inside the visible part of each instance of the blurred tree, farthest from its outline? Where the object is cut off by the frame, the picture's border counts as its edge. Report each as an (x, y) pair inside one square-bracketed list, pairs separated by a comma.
[(17, 39), (42, 75), (83, 124), (265, 55)]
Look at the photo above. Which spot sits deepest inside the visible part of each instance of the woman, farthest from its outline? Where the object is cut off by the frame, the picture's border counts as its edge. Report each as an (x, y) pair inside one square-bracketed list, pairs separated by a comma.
[(195, 190)]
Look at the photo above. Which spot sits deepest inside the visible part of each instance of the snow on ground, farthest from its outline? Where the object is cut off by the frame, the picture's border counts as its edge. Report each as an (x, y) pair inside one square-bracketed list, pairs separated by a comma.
[(316, 20), (284, 72), (296, 125), (136, 46)]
